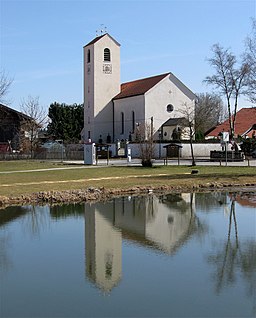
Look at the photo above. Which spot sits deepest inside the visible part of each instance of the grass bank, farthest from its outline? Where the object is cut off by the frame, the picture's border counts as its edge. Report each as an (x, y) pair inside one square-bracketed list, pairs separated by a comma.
[(23, 178)]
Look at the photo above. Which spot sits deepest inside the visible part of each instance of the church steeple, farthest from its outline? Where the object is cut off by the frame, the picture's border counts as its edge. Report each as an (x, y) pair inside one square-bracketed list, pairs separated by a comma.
[(101, 84)]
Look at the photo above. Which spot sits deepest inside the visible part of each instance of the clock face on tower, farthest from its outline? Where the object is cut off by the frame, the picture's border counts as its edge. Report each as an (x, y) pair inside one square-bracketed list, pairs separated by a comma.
[(107, 68)]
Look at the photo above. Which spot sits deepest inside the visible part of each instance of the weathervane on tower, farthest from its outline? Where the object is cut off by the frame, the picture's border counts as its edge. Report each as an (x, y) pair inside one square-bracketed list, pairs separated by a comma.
[(102, 30)]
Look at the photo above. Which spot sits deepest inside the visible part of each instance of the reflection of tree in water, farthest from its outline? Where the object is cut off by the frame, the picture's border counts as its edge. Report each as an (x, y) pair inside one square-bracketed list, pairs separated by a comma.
[(248, 266), (234, 258), (11, 213), (35, 220), (7, 216), (67, 210), (5, 262), (207, 201), (146, 204)]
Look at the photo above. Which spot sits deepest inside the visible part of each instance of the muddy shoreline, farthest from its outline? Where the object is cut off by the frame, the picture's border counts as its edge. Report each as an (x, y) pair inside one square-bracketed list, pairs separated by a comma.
[(102, 194)]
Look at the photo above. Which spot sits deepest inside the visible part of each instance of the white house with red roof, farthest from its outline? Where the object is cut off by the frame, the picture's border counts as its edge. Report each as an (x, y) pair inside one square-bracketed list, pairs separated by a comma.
[(112, 110), (245, 125)]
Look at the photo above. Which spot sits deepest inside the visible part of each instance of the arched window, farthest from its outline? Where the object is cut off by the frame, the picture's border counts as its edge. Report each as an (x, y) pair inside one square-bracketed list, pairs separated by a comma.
[(88, 56), (133, 121), (122, 123), (107, 55)]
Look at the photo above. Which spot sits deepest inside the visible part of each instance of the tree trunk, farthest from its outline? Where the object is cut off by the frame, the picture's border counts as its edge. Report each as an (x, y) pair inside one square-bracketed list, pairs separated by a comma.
[(191, 147)]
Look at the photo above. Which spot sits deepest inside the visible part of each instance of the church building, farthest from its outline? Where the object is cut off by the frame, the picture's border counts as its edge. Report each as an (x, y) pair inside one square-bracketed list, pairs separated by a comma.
[(113, 111)]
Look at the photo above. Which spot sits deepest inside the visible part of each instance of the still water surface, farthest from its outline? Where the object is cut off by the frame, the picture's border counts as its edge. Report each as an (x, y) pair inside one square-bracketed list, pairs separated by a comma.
[(177, 255)]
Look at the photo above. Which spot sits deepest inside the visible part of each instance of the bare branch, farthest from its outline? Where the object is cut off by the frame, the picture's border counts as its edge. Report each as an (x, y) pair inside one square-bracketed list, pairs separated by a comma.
[(5, 83), (144, 136), (229, 79), (188, 111), (250, 61), (32, 108), (209, 112), (37, 118)]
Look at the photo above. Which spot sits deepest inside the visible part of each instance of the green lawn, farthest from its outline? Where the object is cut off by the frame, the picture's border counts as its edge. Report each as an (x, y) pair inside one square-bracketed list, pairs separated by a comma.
[(80, 177), (15, 165)]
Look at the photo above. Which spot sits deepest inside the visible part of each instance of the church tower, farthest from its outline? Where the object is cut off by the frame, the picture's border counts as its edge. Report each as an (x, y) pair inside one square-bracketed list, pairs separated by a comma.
[(101, 85)]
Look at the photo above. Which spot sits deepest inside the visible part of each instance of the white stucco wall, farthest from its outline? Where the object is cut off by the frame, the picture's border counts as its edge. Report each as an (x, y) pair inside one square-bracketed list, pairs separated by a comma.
[(127, 106), (167, 91), (88, 92), (200, 149), (100, 87)]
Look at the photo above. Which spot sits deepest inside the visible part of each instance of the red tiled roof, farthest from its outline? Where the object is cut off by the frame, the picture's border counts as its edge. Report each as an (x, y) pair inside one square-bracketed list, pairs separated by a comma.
[(245, 119), (139, 87), (246, 199)]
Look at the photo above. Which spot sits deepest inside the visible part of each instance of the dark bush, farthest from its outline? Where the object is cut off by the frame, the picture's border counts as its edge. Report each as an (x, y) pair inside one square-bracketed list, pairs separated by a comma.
[(147, 163)]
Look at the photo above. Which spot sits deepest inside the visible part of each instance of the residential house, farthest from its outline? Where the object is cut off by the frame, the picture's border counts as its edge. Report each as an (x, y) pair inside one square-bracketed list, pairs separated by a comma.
[(12, 128), (245, 125)]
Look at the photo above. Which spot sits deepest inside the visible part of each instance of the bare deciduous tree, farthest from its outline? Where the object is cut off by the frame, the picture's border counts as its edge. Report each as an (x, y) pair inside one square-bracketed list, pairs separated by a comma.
[(231, 80), (250, 57), (209, 112), (144, 136), (188, 111), (37, 118), (5, 83)]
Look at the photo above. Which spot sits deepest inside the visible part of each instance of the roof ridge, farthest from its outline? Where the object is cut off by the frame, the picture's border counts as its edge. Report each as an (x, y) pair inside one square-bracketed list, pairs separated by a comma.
[(139, 86), (145, 78), (97, 38), (15, 111)]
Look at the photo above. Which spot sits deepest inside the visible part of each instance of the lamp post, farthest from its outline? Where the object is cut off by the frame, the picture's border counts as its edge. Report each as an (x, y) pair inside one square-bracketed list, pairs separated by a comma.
[(160, 139), (62, 150)]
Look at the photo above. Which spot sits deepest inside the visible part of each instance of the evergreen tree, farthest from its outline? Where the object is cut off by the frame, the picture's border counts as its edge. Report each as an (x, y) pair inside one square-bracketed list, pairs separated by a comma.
[(66, 121)]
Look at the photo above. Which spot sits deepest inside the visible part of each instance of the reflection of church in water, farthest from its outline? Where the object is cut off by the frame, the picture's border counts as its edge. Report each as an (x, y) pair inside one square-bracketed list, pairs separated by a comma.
[(162, 223)]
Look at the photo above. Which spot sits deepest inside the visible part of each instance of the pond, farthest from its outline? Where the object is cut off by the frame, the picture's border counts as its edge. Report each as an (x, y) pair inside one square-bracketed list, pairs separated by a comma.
[(172, 255)]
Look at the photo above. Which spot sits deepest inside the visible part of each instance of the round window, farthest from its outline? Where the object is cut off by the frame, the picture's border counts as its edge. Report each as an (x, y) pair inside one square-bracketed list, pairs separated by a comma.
[(169, 108)]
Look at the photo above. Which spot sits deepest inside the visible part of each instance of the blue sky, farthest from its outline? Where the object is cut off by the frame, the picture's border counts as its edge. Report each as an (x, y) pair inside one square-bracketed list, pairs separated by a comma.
[(42, 42)]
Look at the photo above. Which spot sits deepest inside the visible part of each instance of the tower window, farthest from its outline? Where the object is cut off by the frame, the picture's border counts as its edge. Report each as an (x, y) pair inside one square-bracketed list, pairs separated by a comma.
[(122, 123), (88, 56), (107, 55), (133, 121)]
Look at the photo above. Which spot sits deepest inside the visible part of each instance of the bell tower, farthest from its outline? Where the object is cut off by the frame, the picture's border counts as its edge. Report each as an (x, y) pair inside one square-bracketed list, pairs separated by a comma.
[(101, 84)]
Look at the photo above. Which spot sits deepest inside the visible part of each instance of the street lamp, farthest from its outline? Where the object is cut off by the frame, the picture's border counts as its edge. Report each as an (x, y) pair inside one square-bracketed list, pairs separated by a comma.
[(62, 150), (160, 139)]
